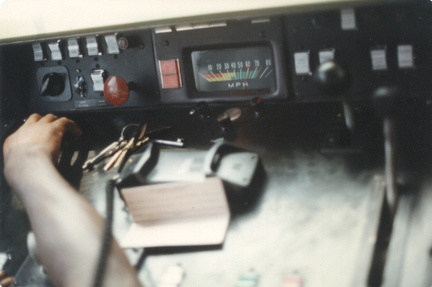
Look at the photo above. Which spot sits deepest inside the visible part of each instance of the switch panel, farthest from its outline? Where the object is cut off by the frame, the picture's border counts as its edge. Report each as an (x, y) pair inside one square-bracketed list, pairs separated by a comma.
[(274, 58), (378, 46), (86, 63)]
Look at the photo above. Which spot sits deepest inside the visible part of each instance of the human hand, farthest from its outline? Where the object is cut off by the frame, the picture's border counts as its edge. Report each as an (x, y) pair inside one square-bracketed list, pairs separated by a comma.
[(5, 280), (39, 137)]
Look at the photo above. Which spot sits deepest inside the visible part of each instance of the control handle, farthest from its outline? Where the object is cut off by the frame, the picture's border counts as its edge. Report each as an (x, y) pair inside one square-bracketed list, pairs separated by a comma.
[(386, 101), (53, 84), (333, 80)]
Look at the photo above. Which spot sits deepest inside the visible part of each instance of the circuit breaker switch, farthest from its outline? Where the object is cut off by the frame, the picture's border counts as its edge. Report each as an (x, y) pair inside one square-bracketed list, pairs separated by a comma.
[(112, 44), (92, 46), (73, 48), (98, 78), (38, 53), (56, 54)]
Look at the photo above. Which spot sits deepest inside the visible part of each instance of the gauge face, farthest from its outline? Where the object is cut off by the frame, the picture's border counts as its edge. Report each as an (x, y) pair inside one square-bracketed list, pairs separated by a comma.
[(233, 69)]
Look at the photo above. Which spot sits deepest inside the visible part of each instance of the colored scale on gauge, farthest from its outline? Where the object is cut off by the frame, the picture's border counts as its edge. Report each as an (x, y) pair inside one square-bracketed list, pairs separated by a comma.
[(247, 74)]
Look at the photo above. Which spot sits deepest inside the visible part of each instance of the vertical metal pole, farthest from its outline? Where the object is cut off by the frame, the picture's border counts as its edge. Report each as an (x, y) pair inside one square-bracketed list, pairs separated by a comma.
[(390, 165)]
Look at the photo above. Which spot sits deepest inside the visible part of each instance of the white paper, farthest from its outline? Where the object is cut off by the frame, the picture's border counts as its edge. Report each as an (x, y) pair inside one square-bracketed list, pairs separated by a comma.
[(177, 214)]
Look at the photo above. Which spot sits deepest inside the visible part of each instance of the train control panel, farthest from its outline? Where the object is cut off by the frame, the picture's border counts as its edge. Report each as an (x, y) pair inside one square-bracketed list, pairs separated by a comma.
[(292, 146)]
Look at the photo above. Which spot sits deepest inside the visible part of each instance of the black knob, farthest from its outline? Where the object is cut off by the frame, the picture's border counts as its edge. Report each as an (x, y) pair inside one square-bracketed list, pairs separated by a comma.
[(386, 101), (332, 78), (53, 84)]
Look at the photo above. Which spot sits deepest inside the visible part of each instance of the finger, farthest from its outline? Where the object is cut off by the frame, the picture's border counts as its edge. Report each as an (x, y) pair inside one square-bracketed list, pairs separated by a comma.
[(48, 118), (68, 125), (2, 274), (33, 118), (7, 282)]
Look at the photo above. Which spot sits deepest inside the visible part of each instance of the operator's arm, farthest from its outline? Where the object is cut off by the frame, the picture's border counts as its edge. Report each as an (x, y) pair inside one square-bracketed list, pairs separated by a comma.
[(68, 229)]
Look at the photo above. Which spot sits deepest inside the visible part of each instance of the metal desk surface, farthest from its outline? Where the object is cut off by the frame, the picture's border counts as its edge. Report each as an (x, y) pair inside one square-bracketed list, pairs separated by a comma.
[(316, 217), (312, 220)]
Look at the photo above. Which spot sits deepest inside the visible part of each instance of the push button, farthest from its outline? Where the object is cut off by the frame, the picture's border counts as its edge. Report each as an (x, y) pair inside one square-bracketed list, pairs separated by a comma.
[(170, 74), (116, 91)]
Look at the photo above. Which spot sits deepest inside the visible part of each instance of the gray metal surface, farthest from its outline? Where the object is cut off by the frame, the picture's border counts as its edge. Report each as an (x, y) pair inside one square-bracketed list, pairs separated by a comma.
[(315, 218), (409, 261)]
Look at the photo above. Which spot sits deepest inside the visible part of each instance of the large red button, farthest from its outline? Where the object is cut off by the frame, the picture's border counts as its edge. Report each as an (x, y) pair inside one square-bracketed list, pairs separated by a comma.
[(116, 91)]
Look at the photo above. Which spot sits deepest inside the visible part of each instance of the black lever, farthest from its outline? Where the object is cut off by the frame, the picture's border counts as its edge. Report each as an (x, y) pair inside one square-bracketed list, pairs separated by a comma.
[(53, 84), (333, 80), (386, 102)]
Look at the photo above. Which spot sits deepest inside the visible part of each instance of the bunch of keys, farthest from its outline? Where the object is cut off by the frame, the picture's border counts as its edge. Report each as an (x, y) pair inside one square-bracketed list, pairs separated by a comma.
[(131, 137)]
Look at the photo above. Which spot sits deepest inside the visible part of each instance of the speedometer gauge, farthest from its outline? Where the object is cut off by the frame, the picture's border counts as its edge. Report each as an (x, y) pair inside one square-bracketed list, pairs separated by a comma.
[(249, 68)]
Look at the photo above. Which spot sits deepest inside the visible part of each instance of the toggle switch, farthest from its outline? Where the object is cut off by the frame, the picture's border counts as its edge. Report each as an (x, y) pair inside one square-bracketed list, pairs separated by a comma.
[(80, 86), (92, 46), (56, 53), (38, 53), (73, 48), (98, 79), (112, 44)]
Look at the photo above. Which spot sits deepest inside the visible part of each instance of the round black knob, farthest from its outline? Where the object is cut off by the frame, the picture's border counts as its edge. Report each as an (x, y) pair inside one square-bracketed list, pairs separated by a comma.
[(332, 78), (386, 101), (53, 84)]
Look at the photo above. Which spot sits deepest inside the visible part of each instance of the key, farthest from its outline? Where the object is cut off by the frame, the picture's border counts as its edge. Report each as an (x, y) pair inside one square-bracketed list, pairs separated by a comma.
[(141, 142), (141, 133), (125, 152), (100, 156), (112, 149), (112, 160)]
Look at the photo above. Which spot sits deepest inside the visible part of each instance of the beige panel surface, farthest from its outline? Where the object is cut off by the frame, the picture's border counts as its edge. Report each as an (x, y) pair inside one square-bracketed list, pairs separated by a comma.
[(30, 19)]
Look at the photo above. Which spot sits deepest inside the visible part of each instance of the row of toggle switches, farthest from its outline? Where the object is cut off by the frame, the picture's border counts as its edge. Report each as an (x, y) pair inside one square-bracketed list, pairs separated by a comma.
[(92, 46), (378, 58)]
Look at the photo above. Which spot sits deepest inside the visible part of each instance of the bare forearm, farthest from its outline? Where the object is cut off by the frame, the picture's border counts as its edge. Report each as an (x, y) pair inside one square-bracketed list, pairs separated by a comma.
[(65, 223)]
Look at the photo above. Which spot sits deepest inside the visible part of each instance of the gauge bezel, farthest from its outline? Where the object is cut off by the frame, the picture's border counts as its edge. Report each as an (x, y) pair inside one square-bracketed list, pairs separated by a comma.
[(194, 91), (234, 69)]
